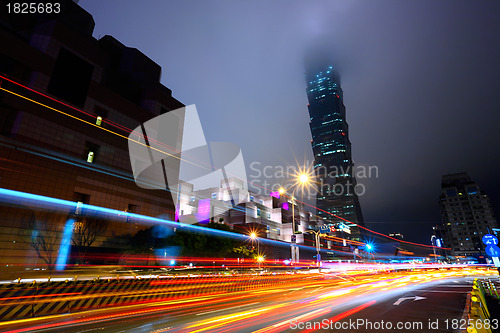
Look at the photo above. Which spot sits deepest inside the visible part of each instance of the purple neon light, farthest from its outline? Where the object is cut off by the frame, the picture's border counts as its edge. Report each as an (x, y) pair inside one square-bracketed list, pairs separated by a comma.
[(203, 214), (285, 206), (275, 194)]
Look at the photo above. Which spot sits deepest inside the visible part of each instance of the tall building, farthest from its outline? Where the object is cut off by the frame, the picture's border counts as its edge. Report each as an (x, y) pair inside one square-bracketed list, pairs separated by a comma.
[(331, 146), (67, 105), (466, 214)]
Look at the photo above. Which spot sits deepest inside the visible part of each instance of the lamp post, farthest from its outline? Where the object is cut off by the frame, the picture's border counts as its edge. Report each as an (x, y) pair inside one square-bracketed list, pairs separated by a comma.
[(318, 245), (302, 179), (253, 236)]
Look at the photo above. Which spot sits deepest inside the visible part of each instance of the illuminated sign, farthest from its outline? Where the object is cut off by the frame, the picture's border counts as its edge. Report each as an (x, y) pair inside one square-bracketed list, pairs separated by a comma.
[(203, 211), (343, 227)]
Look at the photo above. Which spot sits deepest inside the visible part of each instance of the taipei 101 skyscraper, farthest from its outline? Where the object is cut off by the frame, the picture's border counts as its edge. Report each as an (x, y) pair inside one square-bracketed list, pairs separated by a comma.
[(331, 147)]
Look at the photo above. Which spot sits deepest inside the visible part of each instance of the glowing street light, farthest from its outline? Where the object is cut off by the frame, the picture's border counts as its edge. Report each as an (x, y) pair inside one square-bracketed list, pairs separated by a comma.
[(303, 178), (370, 248), (253, 236), (303, 181)]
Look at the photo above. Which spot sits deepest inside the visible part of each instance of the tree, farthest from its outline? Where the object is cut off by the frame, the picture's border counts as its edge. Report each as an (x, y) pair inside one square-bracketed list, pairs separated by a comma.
[(203, 243), (41, 231), (86, 230), (245, 251)]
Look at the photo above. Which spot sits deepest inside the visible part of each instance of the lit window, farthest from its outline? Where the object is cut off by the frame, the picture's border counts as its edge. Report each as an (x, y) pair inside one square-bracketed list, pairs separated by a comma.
[(98, 121), (90, 157), (91, 152)]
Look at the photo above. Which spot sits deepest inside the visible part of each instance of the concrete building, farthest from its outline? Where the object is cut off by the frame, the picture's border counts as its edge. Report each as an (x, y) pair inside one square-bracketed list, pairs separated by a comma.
[(466, 214), (68, 104), (270, 216)]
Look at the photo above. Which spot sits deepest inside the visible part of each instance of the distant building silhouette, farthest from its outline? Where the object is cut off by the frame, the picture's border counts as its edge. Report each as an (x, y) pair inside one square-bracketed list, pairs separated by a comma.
[(466, 214)]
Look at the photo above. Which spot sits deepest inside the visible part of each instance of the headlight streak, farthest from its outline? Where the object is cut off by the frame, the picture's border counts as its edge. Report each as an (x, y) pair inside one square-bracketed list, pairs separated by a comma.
[(319, 305)]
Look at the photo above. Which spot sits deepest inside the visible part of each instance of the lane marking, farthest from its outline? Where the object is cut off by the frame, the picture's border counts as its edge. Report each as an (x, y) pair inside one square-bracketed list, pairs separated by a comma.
[(414, 298)]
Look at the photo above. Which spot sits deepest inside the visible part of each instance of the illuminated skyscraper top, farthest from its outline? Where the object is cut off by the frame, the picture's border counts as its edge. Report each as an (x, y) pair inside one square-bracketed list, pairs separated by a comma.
[(331, 146)]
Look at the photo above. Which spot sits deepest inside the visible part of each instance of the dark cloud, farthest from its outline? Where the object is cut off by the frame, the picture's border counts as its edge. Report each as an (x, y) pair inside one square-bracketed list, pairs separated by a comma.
[(421, 83)]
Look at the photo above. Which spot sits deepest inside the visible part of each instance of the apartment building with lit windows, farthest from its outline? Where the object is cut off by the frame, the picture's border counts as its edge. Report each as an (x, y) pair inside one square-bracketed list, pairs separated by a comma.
[(467, 215)]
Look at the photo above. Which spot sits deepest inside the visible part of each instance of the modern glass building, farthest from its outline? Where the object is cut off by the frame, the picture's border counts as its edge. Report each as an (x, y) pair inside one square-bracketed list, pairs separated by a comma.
[(331, 148)]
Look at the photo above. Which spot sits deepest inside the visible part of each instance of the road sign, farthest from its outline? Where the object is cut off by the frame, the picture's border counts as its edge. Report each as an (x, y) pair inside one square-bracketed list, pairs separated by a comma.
[(496, 262), (490, 239), (324, 229), (294, 238), (492, 250)]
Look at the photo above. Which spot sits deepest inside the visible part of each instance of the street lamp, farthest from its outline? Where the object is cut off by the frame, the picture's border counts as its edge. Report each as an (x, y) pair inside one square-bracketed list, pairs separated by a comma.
[(370, 248), (318, 245), (253, 236), (303, 180)]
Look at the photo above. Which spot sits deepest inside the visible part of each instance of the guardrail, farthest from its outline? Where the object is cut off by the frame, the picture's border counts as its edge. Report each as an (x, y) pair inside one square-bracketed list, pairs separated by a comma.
[(479, 317), (26, 300)]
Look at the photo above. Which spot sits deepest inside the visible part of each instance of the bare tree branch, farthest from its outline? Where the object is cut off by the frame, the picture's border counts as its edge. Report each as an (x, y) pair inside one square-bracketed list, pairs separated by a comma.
[(41, 231), (86, 231)]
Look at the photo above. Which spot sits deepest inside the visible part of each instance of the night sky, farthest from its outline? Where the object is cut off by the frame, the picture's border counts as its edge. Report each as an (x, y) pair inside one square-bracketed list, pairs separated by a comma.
[(421, 83)]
